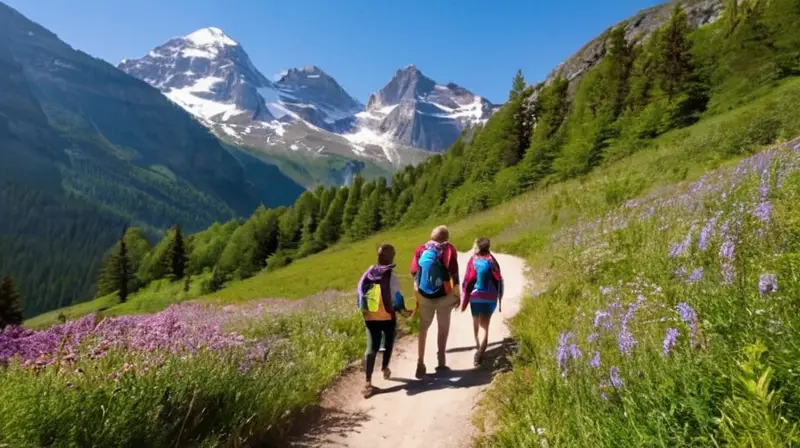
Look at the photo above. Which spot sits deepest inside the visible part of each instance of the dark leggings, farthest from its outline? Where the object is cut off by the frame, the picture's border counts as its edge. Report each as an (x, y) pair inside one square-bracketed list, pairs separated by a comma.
[(376, 328)]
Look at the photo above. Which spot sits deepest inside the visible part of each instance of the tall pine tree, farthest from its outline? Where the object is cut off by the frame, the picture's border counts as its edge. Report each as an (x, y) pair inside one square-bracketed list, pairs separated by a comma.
[(177, 255), (353, 203), (517, 87), (10, 304), (330, 229), (674, 61), (123, 276)]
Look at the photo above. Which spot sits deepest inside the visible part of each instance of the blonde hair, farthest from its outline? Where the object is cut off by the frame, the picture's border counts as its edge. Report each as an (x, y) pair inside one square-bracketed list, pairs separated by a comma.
[(440, 234), (481, 246)]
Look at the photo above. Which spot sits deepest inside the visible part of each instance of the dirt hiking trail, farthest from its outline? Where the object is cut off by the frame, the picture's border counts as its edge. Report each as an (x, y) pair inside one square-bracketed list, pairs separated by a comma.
[(434, 412)]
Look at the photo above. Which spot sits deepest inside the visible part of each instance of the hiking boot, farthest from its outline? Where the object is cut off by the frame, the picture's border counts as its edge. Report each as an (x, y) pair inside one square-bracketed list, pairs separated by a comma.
[(442, 363), (421, 371), (387, 373), (368, 391)]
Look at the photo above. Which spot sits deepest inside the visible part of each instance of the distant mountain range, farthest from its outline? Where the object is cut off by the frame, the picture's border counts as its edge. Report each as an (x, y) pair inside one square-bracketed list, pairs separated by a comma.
[(305, 110)]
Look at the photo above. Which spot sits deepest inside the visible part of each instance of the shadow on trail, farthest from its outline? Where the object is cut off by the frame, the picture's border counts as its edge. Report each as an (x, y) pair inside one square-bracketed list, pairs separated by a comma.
[(472, 347), (495, 360), (321, 424)]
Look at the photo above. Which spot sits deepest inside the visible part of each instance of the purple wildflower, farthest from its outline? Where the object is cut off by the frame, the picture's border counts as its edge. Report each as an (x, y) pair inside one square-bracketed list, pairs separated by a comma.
[(696, 276), (562, 353), (592, 337), (767, 283), (706, 232), (763, 211), (595, 363), (616, 381), (669, 340), (727, 249), (575, 351), (602, 319), (603, 386), (764, 187), (679, 248), (625, 341), (688, 316)]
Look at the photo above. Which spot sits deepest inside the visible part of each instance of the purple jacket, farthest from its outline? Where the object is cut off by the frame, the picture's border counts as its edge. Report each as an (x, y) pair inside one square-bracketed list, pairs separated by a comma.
[(390, 291)]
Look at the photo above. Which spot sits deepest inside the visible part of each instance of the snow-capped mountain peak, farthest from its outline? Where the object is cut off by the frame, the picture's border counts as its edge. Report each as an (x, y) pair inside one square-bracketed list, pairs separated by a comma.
[(211, 36), (415, 110)]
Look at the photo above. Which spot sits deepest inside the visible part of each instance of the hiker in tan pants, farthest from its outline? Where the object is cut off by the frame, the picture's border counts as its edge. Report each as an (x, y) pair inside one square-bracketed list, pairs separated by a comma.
[(436, 289)]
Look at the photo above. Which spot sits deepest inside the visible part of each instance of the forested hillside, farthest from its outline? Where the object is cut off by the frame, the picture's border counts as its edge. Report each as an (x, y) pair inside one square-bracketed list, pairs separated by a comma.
[(640, 90), (87, 150)]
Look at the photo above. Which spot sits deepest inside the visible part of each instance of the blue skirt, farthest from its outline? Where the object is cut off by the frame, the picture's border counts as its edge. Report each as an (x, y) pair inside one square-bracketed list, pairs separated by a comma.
[(482, 306)]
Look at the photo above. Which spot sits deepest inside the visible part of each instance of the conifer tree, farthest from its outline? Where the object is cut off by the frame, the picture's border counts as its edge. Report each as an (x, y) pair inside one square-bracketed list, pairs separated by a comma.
[(330, 229), (177, 255), (123, 275), (10, 304), (353, 202), (675, 56), (368, 220), (517, 87), (266, 235)]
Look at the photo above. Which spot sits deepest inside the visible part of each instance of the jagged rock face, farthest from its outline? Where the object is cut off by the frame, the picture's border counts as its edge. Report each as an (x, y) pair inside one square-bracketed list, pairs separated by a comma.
[(414, 110), (207, 73), (317, 98), (639, 27)]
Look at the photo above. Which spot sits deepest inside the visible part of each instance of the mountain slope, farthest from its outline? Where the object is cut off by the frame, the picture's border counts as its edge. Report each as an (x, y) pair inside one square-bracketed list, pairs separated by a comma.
[(88, 149), (640, 26), (211, 76), (414, 110)]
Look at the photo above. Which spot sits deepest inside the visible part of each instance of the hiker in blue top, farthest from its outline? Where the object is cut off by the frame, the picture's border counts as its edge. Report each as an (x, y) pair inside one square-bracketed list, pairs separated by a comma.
[(483, 292), (380, 299)]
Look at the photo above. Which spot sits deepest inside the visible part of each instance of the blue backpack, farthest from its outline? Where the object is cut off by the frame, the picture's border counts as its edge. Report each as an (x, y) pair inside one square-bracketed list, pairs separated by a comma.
[(432, 275), (486, 279)]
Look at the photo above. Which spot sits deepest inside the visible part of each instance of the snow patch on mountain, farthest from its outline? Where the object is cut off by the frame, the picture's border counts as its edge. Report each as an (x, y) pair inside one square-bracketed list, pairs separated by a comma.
[(211, 36)]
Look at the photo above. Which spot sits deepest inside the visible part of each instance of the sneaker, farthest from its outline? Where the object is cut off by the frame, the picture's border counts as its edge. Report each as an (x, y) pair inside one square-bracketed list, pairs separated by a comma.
[(442, 369), (387, 373), (421, 371), (478, 359)]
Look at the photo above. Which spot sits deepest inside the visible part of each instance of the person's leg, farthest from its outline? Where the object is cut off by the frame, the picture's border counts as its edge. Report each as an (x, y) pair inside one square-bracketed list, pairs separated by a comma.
[(426, 314), (389, 333), (475, 331), (484, 320), (443, 312), (373, 342)]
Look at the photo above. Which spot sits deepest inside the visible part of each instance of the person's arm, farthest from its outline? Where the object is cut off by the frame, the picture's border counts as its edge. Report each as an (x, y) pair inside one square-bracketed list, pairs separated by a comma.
[(467, 284), (500, 283), (361, 303), (398, 300), (415, 262), (452, 264)]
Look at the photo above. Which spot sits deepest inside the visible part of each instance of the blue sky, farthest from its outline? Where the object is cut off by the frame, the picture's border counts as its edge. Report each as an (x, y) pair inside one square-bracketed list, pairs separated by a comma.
[(478, 44)]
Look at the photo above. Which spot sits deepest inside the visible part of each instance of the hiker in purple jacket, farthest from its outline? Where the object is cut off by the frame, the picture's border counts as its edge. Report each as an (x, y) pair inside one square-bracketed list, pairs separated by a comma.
[(379, 299)]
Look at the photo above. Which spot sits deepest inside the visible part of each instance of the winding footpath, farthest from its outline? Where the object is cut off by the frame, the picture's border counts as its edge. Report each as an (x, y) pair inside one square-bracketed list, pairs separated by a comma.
[(434, 412)]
